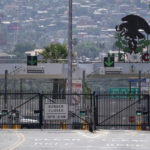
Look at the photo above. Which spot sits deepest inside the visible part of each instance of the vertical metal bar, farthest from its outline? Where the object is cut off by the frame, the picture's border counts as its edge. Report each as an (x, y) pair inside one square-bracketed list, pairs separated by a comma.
[(139, 82), (94, 113), (70, 49), (148, 110), (147, 45), (130, 91), (91, 113), (41, 109), (83, 88), (5, 96), (96, 110), (21, 88)]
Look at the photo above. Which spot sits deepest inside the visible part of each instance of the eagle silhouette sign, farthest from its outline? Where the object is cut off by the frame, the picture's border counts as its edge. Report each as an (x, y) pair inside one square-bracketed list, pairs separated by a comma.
[(133, 31)]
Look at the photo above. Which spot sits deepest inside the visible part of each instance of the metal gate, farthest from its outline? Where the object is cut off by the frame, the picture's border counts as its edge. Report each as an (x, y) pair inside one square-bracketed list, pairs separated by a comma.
[(74, 111), (34, 110), (67, 111), (121, 111), (19, 110)]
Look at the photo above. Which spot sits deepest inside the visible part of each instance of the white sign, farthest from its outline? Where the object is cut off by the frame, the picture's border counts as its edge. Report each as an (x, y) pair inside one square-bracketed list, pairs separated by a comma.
[(56, 111), (113, 70), (35, 69)]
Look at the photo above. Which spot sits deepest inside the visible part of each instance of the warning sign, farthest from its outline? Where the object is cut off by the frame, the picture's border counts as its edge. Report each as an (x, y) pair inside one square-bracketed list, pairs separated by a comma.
[(56, 111)]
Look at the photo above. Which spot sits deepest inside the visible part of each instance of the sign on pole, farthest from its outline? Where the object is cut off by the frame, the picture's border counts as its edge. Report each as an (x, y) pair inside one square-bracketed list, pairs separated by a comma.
[(123, 92), (109, 61), (32, 60), (137, 80), (56, 111)]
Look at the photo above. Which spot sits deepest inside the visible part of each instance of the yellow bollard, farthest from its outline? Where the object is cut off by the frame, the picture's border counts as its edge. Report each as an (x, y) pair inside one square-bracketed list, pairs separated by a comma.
[(138, 127), (5, 126), (85, 126), (63, 126), (16, 126)]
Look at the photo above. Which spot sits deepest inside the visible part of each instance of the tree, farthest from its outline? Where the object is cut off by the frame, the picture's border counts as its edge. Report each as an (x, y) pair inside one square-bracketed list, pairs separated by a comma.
[(55, 51)]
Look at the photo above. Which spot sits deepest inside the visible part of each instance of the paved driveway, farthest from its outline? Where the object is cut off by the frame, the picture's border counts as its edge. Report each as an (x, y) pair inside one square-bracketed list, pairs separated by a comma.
[(74, 140)]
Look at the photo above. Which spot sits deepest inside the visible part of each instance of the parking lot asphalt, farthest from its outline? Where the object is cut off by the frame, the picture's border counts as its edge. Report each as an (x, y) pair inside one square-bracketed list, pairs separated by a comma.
[(74, 140)]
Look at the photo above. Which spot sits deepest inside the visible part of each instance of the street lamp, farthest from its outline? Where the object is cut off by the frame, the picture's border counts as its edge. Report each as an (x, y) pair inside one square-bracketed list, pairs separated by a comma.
[(70, 49)]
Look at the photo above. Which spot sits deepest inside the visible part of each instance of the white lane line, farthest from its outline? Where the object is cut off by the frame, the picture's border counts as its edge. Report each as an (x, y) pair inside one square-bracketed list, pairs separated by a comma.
[(92, 135), (57, 139), (123, 145), (85, 147)]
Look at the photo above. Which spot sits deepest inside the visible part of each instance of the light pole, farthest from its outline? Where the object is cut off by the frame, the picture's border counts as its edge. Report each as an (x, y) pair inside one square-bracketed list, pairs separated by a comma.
[(70, 49), (5, 96)]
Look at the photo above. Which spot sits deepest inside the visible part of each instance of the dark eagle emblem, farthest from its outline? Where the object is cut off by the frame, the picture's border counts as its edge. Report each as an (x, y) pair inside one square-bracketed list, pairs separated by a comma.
[(132, 30)]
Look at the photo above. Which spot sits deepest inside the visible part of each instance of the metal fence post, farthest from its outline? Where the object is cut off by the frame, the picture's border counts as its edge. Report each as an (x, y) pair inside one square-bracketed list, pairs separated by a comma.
[(92, 120), (91, 116), (148, 110), (41, 110), (96, 111), (5, 95)]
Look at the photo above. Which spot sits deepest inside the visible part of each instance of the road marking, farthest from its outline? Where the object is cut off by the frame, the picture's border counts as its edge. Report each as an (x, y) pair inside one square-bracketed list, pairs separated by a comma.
[(57, 140), (92, 135), (20, 140), (123, 145), (127, 140)]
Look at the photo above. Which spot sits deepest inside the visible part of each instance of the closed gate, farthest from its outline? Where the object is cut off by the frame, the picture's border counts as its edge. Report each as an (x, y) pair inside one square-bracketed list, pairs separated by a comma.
[(121, 111), (18, 110), (74, 111), (66, 111), (49, 111)]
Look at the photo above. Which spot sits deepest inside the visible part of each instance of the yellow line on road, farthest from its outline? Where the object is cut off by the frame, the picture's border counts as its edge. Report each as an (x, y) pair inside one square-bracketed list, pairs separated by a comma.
[(20, 140)]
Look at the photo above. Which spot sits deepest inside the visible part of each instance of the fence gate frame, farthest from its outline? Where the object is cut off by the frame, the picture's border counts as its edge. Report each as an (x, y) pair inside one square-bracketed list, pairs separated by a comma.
[(86, 112), (76, 120), (103, 123), (14, 105)]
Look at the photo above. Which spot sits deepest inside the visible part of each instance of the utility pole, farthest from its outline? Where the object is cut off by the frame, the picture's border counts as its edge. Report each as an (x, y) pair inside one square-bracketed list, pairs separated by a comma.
[(70, 49), (139, 108), (130, 96), (83, 87), (139, 84), (5, 96), (21, 96)]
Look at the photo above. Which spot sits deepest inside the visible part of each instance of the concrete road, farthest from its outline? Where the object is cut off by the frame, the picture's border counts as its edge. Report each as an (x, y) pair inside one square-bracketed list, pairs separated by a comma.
[(74, 140)]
